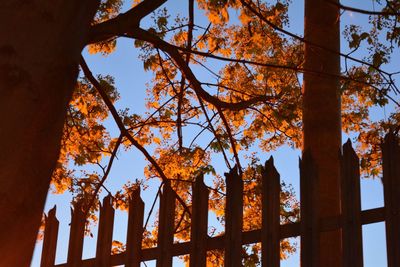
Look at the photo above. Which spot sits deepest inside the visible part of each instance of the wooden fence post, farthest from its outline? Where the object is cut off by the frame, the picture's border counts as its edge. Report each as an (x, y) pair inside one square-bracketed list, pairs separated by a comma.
[(105, 233), (309, 212), (391, 182), (166, 226), (135, 230), (233, 219), (270, 215), (351, 208), (50, 239), (76, 235), (199, 224)]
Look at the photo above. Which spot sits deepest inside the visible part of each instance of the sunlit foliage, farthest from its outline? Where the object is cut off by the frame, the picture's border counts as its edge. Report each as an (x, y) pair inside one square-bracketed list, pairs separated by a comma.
[(237, 92)]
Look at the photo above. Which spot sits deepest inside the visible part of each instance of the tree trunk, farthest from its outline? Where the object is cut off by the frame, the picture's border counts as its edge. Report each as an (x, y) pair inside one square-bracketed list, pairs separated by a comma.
[(40, 46), (321, 115)]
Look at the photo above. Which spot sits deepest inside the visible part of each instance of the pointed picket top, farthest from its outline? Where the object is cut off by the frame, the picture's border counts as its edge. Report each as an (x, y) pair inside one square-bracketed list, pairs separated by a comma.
[(135, 194), (269, 168), (233, 180), (52, 212), (50, 217), (232, 172), (76, 208), (348, 142), (199, 181), (349, 152), (269, 163), (305, 161), (107, 200), (348, 147)]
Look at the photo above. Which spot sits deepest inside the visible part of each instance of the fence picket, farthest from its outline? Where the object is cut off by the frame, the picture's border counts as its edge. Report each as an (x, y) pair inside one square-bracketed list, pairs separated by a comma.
[(198, 232), (309, 228), (166, 227), (50, 239), (233, 219), (105, 233), (270, 215), (76, 236), (309, 212), (351, 208), (135, 230), (391, 182)]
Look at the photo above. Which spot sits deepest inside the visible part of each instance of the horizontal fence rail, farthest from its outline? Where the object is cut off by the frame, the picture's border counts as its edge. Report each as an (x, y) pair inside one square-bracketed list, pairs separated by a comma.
[(308, 228)]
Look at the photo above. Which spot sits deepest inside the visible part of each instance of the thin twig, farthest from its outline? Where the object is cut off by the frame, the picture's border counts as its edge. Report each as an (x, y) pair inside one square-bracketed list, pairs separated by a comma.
[(106, 173)]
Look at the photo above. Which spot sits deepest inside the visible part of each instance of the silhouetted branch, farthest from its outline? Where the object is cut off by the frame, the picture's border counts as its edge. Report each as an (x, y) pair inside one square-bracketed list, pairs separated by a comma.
[(363, 11), (122, 23), (105, 175)]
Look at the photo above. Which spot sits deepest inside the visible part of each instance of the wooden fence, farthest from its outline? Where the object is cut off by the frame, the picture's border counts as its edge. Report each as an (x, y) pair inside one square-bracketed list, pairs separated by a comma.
[(231, 242)]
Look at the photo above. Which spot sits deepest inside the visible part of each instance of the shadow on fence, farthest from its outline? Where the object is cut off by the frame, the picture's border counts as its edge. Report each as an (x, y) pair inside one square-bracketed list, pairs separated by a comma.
[(350, 221)]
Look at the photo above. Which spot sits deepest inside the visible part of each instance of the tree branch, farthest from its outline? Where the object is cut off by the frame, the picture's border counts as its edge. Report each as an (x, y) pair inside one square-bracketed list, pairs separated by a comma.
[(122, 23), (105, 175), (124, 131), (231, 140), (173, 52), (363, 11)]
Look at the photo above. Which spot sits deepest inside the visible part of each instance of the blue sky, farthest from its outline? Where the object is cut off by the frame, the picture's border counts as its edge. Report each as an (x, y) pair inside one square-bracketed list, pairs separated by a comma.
[(131, 81)]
